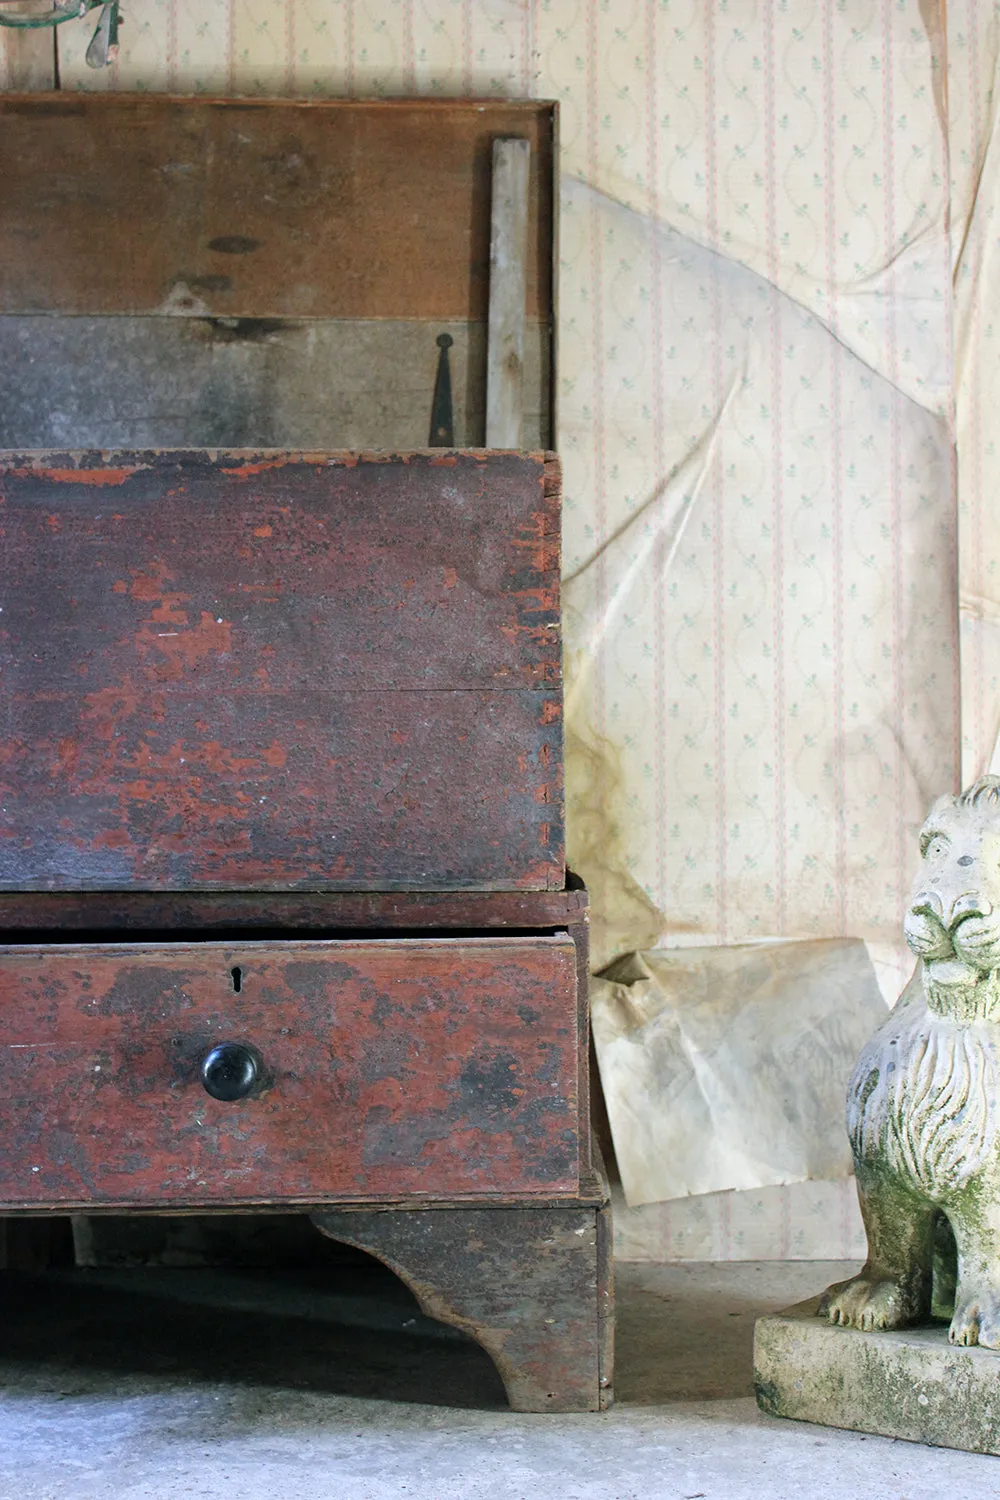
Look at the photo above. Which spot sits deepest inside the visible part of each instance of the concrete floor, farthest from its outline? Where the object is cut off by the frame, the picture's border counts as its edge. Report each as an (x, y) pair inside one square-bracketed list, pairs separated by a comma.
[(245, 1385)]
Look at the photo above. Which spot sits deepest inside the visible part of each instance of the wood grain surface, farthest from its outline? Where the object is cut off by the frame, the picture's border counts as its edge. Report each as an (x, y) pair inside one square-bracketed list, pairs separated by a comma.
[(394, 1068), (308, 913), (205, 382), (533, 1286), (276, 671), (122, 203), (508, 248)]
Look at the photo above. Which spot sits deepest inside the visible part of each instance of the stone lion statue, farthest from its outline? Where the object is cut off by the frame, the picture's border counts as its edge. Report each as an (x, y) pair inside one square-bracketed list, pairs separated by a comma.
[(923, 1104)]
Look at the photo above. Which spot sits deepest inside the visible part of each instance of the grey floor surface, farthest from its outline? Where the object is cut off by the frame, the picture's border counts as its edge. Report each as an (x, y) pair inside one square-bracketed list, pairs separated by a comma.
[(248, 1386)]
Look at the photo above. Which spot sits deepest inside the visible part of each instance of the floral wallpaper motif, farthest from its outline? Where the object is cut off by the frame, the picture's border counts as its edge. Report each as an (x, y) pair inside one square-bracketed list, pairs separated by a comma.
[(765, 365)]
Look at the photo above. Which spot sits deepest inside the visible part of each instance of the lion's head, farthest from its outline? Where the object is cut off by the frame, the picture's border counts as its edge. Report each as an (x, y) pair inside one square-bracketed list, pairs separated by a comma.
[(953, 923)]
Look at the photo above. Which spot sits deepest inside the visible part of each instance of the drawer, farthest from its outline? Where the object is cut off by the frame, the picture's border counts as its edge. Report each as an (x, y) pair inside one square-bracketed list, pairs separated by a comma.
[(378, 1069)]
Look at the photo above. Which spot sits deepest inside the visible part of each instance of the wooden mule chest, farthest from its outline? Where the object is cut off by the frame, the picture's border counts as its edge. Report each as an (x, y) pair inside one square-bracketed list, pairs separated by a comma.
[(284, 909)]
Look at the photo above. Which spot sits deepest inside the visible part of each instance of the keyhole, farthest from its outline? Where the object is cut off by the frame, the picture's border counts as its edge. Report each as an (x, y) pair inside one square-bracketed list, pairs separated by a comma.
[(237, 977)]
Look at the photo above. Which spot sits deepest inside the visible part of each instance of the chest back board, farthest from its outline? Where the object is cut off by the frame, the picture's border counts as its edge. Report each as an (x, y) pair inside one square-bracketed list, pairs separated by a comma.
[(251, 272)]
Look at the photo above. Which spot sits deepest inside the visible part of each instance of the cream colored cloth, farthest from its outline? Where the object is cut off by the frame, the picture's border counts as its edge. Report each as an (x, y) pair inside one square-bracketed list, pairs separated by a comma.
[(728, 1067)]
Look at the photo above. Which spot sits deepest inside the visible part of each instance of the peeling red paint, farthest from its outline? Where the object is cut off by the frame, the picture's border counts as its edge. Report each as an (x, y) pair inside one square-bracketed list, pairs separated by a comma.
[(250, 470), (79, 476), (152, 584), (383, 713), (170, 654), (112, 838), (429, 1066), (100, 710)]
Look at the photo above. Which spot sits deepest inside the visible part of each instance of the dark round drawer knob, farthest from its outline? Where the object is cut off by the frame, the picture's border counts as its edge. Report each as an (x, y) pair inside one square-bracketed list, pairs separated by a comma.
[(231, 1071)]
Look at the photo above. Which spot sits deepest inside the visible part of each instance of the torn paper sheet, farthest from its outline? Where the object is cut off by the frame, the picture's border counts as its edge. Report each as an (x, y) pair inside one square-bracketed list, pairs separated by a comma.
[(728, 1067)]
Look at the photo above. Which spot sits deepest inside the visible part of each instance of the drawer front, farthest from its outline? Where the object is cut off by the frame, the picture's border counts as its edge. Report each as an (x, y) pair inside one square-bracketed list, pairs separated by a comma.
[(426, 1068)]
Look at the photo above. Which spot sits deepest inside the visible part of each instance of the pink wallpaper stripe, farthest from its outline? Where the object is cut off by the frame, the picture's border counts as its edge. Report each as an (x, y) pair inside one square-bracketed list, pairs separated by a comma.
[(718, 494), (661, 669), (598, 368), (897, 668), (976, 705), (467, 46), (777, 481), (172, 44), (290, 61), (836, 479), (409, 51)]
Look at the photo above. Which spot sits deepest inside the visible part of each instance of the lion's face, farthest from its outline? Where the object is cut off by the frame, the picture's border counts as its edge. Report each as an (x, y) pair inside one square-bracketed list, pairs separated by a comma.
[(954, 919)]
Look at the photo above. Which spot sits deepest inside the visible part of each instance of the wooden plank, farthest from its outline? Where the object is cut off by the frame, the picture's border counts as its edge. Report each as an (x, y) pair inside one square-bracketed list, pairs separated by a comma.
[(160, 382), (273, 671), (31, 53), (424, 1068), (531, 1285), (257, 208), (104, 913), (508, 271)]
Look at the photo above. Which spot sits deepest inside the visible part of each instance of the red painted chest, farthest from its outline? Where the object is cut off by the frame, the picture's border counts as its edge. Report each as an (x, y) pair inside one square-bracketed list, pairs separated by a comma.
[(282, 878)]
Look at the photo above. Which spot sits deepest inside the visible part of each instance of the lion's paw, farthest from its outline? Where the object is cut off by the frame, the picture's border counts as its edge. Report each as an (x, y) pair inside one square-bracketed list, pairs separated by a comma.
[(977, 1320), (866, 1303)]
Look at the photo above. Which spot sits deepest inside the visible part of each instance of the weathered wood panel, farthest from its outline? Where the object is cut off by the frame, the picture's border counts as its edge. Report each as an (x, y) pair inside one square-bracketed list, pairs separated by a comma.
[(423, 1068), (259, 208), (532, 1285), (508, 248), (302, 912), (204, 382), (275, 671)]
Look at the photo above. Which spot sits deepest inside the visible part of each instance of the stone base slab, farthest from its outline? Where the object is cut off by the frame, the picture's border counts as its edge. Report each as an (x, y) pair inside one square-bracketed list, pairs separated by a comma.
[(911, 1384)]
